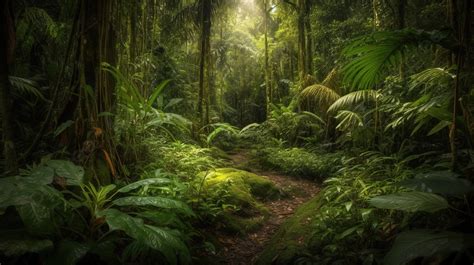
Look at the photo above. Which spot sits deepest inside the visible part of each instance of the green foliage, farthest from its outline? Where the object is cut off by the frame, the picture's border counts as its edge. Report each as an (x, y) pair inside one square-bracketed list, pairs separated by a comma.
[(426, 243), (411, 202), (187, 160), (441, 182), (300, 163), (372, 56), (222, 135), (78, 217), (232, 198), (318, 95)]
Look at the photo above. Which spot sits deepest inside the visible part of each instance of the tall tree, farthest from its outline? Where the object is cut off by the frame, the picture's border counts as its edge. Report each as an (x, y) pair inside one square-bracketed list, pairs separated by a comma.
[(7, 44), (97, 46), (268, 87), (308, 32), (302, 60), (205, 45), (460, 17)]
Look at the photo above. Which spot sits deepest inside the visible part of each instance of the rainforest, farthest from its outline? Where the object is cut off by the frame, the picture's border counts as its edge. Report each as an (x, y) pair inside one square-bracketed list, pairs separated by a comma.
[(236, 132)]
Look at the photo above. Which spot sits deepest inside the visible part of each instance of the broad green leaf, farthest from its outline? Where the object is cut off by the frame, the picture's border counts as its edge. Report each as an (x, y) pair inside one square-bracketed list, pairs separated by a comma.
[(41, 175), (37, 213), (63, 126), (442, 182), (348, 232), (17, 244), (36, 218), (68, 253), (154, 201), (156, 238), (158, 90), (441, 125), (425, 243), (66, 169), (411, 202), (144, 182)]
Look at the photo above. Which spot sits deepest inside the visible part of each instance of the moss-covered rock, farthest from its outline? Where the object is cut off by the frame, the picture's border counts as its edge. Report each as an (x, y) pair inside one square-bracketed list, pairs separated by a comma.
[(242, 189), (292, 238)]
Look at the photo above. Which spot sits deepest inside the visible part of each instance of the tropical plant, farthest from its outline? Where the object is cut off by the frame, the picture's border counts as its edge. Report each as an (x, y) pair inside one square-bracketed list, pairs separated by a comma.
[(80, 218), (427, 197)]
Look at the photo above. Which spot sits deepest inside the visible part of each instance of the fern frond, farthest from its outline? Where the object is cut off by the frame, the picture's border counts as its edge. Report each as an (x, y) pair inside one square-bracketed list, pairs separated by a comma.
[(354, 98)]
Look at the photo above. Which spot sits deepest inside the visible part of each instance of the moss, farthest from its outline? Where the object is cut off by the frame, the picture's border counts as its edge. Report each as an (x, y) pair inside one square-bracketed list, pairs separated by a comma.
[(244, 183), (243, 189), (292, 238), (235, 223)]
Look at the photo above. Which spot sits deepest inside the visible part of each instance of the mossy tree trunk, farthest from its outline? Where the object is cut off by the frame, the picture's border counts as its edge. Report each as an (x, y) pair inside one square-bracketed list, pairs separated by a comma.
[(203, 97)]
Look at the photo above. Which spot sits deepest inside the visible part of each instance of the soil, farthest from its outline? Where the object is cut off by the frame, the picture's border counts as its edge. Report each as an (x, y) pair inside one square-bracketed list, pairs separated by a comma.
[(244, 249)]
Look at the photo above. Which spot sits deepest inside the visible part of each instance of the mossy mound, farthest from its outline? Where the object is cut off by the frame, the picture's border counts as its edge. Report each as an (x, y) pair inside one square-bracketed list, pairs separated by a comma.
[(292, 238), (245, 191)]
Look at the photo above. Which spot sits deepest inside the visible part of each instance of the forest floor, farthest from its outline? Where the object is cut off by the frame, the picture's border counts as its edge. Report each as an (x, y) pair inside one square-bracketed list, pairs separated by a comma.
[(244, 249)]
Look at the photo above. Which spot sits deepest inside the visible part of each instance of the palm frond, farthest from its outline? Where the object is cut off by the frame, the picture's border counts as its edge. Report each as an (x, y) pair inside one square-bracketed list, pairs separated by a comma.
[(431, 78), (320, 96), (26, 86), (371, 56), (354, 98), (332, 79), (348, 120)]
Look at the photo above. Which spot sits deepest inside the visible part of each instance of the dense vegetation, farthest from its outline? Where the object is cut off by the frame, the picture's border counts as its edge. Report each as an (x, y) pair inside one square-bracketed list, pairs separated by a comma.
[(120, 119)]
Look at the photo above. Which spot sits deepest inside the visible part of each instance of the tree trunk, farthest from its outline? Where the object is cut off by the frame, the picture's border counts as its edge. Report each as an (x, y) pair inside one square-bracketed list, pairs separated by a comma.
[(204, 46), (460, 17), (98, 46), (309, 41), (377, 10), (7, 44), (401, 25), (301, 40), (267, 70)]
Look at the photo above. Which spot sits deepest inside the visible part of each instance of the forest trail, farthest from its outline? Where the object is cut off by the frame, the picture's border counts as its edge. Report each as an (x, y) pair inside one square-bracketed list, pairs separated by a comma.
[(244, 249)]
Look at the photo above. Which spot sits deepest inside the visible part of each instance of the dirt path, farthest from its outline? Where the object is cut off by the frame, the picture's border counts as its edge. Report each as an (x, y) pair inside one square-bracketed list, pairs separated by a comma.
[(240, 250)]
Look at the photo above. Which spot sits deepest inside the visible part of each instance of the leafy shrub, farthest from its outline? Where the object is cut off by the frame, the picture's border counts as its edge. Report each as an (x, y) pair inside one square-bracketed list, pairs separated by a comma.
[(342, 225), (187, 160), (339, 225), (300, 163)]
